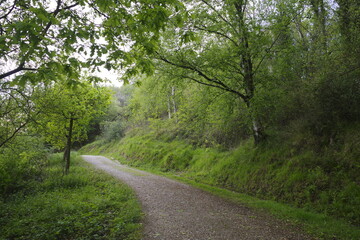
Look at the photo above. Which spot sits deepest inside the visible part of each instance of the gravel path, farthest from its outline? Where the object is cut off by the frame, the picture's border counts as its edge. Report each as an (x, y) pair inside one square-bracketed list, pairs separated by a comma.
[(176, 211)]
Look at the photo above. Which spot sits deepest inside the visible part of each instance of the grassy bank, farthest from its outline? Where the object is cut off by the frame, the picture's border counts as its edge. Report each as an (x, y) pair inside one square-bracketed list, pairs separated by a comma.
[(86, 204), (324, 200)]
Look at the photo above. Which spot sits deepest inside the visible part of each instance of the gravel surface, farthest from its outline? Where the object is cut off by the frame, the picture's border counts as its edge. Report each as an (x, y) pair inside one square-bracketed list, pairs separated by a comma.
[(176, 211)]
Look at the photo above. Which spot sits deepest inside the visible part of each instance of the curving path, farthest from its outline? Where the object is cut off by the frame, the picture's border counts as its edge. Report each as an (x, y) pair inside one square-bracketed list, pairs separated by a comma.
[(176, 211)]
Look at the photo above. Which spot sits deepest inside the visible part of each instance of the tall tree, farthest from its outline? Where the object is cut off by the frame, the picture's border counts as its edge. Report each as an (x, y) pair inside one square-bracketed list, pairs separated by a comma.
[(233, 43)]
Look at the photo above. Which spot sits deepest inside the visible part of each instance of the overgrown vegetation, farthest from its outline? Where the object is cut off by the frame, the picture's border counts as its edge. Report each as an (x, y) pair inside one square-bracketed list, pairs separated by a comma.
[(22, 165), (260, 97), (84, 204), (313, 183)]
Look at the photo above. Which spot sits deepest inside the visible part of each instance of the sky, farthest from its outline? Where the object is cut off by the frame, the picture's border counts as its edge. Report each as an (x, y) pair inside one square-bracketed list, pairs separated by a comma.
[(112, 76)]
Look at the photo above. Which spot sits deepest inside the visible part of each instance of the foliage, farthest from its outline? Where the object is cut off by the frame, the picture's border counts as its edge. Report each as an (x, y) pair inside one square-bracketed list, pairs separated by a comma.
[(22, 165), (39, 39), (61, 103), (85, 204), (229, 50), (113, 130), (16, 111), (277, 57), (66, 113)]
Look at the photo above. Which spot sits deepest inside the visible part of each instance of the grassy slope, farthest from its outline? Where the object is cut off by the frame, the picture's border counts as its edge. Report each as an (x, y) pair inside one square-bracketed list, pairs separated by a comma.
[(86, 204), (271, 172)]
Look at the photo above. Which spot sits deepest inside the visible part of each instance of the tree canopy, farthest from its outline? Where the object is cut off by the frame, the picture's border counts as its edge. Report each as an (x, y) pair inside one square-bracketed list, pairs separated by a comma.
[(46, 40)]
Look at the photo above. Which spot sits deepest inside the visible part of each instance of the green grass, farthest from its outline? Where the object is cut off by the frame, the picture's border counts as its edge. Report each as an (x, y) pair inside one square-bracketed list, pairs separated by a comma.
[(294, 187), (86, 204)]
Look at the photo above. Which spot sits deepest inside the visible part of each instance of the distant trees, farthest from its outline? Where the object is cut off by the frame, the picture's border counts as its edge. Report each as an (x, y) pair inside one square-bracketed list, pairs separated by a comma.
[(113, 124)]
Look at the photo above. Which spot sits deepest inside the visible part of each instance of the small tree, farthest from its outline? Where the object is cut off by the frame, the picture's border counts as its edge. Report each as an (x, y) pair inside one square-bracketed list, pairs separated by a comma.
[(67, 112)]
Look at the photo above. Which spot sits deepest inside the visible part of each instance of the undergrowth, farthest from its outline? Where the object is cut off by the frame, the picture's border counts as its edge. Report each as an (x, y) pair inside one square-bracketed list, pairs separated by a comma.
[(84, 204)]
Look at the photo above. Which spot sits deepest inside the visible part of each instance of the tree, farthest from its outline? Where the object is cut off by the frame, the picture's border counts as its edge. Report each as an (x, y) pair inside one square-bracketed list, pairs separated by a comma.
[(67, 112), (234, 41), (47, 41), (40, 40)]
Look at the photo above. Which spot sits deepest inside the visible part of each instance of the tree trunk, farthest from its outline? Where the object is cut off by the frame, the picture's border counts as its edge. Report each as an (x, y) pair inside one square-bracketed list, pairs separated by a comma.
[(318, 8), (174, 103), (67, 152), (172, 108), (173, 99), (169, 107), (259, 135), (257, 128), (247, 66)]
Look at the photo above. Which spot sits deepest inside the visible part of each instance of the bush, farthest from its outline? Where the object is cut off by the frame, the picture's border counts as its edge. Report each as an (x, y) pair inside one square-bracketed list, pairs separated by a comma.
[(21, 163)]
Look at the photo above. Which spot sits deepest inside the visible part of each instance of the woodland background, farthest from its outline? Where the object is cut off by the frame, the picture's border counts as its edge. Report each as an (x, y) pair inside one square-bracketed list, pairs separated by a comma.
[(260, 97)]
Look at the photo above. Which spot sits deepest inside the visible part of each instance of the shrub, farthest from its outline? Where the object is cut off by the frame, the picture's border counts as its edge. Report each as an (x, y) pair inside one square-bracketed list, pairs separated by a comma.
[(21, 163)]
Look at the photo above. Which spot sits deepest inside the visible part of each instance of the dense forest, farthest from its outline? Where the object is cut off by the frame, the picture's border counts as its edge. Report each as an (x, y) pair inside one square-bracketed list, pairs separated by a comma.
[(259, 97)]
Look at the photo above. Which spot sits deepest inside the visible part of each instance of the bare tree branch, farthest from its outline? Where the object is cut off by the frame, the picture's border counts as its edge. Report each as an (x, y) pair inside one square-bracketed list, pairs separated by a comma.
[(16, 70), (216, 86), (266, 53)]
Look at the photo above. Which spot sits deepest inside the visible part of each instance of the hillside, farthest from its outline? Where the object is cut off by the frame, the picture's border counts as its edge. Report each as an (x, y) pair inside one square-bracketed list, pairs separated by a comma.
[(319, 182)]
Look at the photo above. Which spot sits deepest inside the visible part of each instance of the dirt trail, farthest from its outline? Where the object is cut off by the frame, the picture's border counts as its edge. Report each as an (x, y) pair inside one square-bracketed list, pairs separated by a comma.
[(176, 211)]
